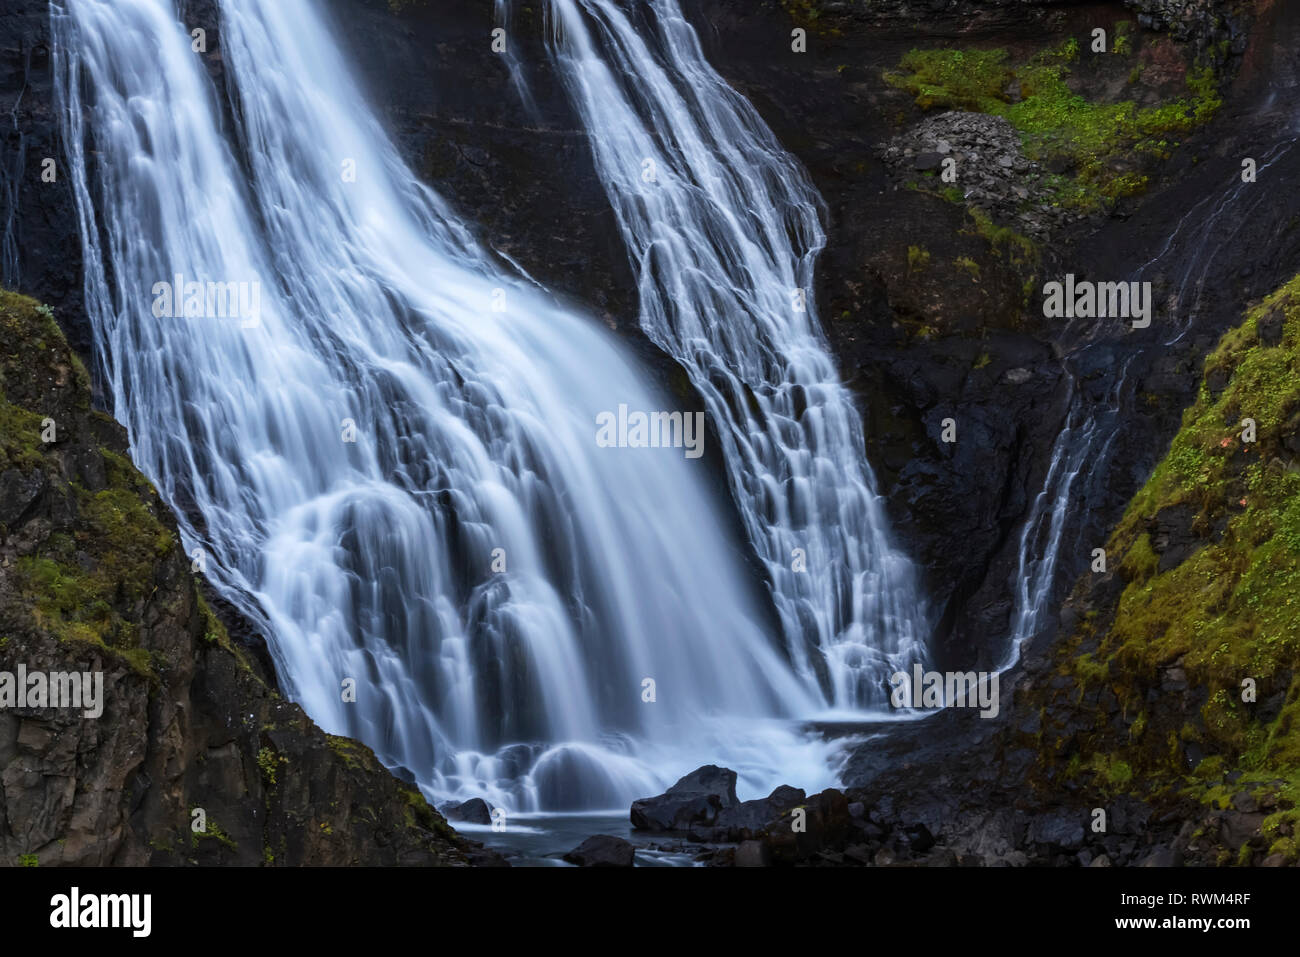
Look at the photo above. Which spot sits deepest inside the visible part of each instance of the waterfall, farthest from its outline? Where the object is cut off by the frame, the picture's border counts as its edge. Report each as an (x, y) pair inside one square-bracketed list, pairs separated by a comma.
[(722, 228), (12, 170), (380, 440)]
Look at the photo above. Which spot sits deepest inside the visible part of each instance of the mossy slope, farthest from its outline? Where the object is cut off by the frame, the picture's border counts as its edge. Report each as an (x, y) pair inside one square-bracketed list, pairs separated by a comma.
[(1194, 632)]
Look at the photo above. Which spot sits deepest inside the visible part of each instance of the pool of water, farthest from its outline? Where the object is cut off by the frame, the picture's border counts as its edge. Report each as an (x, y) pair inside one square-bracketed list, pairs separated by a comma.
[(542, 840)]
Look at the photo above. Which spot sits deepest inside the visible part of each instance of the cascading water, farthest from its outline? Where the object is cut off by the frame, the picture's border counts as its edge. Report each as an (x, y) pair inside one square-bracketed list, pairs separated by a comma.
[(11, 177), (1085, 444), (722, 228), (400, 484)]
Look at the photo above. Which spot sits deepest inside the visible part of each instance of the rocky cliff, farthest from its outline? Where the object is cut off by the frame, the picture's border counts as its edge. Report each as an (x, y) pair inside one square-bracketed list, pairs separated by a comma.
[(195, 757)]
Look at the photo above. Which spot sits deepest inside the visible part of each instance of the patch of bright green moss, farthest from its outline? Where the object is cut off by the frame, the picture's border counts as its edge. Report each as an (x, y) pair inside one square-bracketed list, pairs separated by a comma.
[(972, 80), (354, 754), (1053, 120)]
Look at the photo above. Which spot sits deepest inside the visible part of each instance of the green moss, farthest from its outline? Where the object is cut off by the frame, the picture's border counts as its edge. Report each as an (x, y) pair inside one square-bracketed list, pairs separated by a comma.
[(353, 754), (1097, 138), (1020, 250), (1229, 611), (28, 860), (1123, 44), (1141, 561), (418, 813), (974, 80), (268, 762), (1115, 773), (213, 832), (918, 258), (968, 265), (28, 328), (93, 591), (20, 438)]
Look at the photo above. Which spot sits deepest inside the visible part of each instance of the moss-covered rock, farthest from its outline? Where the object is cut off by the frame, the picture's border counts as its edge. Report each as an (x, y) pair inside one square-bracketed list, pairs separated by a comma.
[(1100, 145), (1193, 633), (93, 579)]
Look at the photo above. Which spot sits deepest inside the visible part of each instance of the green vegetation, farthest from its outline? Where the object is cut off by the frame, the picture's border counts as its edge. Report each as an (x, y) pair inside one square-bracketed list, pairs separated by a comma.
[(972, 80), (918, 258), (28, 860), (88, 587), (268, 763), (968, 265), (213, 832), (354, 754), (1230, 611), (1097, 139)]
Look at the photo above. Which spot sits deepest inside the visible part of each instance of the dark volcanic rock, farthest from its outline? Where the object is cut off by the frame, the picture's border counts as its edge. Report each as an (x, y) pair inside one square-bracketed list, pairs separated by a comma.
[(196, 758), (473, 811), (695, 799), (602, 850)]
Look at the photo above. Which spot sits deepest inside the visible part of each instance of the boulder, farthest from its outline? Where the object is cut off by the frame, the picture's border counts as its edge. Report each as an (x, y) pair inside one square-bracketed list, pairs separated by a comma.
[(695, 799), (602, 850), (748, 818), (473, 811)]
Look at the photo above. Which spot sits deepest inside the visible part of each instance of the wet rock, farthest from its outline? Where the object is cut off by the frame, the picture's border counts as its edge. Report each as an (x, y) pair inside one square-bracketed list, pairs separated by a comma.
[(748, 818), (753, 854), (858, 854), (694, 799), (1245, 802), (18, 492), (1063, 828), (473, 811), (1236, 829), (918, 838), (602, 850), (1163, 856), (1270, 325), (927, 161)]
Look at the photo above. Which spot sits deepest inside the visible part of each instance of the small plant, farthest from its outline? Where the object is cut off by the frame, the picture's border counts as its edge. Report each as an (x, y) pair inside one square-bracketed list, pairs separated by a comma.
[(267, 761)]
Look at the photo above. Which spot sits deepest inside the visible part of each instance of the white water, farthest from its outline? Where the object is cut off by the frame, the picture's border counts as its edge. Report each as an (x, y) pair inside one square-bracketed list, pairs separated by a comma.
[(475, 430), (722, 228)]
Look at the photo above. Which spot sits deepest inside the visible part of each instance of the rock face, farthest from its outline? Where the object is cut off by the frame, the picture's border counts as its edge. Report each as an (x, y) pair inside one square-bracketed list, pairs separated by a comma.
[(195, 758), (696, 799), (602, 850)]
